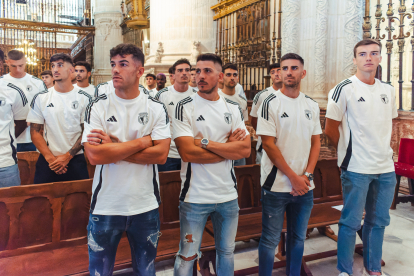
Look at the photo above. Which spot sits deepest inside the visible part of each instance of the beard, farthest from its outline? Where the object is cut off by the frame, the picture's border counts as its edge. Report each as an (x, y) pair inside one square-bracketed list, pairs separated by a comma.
[(208, 91)]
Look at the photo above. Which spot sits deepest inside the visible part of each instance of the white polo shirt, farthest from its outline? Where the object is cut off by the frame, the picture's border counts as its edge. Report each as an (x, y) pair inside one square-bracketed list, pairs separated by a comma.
[(125, 188), (240, 90), (90, 89), (215, 120), (170, 97), (30, 85), (366, 113), (13, 106), (108, 88), (292, 122), (240, 100), (62, 115)]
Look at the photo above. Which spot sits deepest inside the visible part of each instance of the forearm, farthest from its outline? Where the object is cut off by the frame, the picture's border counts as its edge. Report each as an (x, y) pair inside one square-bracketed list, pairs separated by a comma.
[(332, 132), (36, 131), (77, 146), (231, 150), (278, 160), (199, 155), (314, 154), (151, 155)]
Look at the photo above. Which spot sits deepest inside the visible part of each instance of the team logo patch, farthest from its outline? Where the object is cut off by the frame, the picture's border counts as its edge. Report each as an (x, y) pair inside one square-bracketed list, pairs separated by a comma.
[(75, 104), (384, 98), (227, 118), (29, 88), (2, 101), (143, 118), (308, 114)]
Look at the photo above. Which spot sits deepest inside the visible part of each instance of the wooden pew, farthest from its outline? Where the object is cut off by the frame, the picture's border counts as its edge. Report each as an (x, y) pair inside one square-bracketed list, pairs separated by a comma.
[(27, 166)]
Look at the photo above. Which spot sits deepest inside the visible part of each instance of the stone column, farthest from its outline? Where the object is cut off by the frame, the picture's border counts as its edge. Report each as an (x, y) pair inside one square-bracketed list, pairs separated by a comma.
[(108, 34), (291, 19)]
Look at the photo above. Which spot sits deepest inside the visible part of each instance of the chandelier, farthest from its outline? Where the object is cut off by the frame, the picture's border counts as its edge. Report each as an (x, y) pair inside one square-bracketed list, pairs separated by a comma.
[(27, 47)]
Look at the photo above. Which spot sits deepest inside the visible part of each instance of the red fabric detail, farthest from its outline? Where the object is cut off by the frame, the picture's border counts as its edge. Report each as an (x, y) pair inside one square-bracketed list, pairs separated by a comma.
[(406, 151), (404, 170)]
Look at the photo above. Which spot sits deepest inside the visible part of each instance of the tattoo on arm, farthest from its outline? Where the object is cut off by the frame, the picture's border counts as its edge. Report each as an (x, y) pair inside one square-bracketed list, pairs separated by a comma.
[(77, 146), (37, 127)]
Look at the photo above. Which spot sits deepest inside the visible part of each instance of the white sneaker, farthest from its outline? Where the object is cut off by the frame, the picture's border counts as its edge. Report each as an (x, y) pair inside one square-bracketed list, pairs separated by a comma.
[(365, 273), (343, 274)]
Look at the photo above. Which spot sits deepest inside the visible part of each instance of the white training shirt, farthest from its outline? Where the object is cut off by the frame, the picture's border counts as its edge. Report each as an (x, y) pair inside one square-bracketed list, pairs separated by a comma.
[(13, 106), (240, 100), (30, 85), (240, 90), (170, 97), (366, 113), (292, 122), (62, 115), (254, 112), (124, 188), (108, 88), (215, 120), (195, 88), (90, 89)]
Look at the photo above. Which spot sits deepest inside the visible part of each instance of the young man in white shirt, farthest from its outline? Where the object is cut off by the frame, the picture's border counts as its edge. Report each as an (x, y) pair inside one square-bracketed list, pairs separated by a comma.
[(30, 85), (274, 72), (230, 80), (150, 80), (47, 78), (170, 96), (56, 123), (13, 111), (209, 132), (83, 73), (290, 129), (193, 82), (126, 134), (359, 124)]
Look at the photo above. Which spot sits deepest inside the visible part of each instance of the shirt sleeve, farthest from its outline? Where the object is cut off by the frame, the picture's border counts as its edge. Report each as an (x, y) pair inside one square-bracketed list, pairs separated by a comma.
[(336, 107), (181, 123), (257, 101), (394, 104), (317, 128), (246, 113), (266, 125), (92, 121), (239, 122), (20, 108), (161, 128), (35, 113)]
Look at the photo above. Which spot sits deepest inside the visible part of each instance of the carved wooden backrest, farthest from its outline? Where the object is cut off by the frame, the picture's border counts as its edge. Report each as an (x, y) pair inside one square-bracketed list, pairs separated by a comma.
[(248, 188), (27, 166), (170, 187), (327, 181)]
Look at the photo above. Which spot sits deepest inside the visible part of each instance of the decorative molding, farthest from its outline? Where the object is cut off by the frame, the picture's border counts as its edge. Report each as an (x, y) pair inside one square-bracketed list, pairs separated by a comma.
[(229, 6), (290, 26), (137, 14), (353, 34), (321, 43)]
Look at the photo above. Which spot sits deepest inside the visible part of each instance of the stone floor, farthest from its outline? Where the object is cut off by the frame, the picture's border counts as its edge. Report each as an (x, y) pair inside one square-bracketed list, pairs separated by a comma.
[(398, 250)]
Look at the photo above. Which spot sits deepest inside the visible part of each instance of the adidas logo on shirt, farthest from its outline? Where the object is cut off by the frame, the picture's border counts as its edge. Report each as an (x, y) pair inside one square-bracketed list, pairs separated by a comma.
[(171, 103), (361, 100), (112, 119), (284, 115), (50, 105), (201, 118)]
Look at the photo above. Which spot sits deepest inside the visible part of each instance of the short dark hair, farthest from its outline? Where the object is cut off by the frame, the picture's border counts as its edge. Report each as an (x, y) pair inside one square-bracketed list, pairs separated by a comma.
[(292, 56), (181, 61), (367, 41), (128, 49), (210, 57), (84, 64), (230, 66), (273, 66), (171, 70), (47, 72), (161, 75), (61, 56), (15, 55), (151, 75), (1, 55), (193, 69)]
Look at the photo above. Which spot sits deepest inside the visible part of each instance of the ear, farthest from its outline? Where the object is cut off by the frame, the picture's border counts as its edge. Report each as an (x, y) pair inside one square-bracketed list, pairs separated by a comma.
[(354, 61), (221, 77), (303, 74), (89, 74)]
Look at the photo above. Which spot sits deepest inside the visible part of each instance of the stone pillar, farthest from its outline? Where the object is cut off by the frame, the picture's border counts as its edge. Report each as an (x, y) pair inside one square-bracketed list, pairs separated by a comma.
[(108, 34), (291, 19)]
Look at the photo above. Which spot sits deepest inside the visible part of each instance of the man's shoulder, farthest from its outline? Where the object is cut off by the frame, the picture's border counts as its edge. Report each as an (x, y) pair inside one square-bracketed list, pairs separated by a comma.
[(262, 94), (311, 101), (342, 87), (161, 92), (40, 97)]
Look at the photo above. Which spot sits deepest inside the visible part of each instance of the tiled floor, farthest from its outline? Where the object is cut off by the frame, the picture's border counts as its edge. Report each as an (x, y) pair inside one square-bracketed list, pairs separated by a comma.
[(398, 250)]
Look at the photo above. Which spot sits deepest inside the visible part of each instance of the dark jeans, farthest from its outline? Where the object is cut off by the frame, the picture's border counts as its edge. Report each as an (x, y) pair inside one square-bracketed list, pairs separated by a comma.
[(26, 147), (298, 210), (172, 164), (77, 170), (105, 232)]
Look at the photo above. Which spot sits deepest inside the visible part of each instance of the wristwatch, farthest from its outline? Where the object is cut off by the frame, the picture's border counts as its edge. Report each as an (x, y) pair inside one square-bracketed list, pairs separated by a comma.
[(308, 175), (204, 143)]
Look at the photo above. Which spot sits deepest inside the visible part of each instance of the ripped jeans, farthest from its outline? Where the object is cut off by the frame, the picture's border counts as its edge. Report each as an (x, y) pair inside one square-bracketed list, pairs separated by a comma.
[(105, 232), (193, 218)]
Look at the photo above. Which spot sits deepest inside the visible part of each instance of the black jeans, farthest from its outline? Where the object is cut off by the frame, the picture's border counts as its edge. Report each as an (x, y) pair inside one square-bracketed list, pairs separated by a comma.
[(77, 170)]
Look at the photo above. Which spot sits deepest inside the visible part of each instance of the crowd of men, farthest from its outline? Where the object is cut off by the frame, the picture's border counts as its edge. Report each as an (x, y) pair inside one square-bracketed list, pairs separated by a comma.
[(197, 126)]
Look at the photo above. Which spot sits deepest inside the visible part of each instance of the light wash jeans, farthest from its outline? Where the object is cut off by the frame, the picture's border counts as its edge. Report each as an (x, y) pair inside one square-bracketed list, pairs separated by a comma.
[(374, 193), (9, 176), (193, 217), (298, 210)]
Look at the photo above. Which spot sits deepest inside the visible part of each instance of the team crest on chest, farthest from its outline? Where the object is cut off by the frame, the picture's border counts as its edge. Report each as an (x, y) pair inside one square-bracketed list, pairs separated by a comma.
[(29, 88), (143, 118), (308, 114), (384, 98), (2, 101), (227, 117), (75, 105)]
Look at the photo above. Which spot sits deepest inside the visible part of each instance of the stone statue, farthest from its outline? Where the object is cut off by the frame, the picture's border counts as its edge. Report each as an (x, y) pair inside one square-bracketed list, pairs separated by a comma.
[(195, 52), (158, 54)]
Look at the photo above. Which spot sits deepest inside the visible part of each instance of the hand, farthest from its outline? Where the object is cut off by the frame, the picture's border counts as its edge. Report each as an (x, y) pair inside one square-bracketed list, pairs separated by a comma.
[(237, 135), (62, 171), (294, 193), (146, 141), (94, 138), (60, 163), (300, 184)]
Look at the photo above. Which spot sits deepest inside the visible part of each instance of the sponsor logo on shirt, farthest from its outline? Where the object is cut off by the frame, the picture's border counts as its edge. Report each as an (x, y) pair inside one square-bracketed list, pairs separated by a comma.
[(143, 118), (2, 101), (75, 104), (112, 119), (50, 105), (227, 118), (384, 98), (171, 103), (29, 88), (361, 100), (201, 118), (308, 114), (284, 115)]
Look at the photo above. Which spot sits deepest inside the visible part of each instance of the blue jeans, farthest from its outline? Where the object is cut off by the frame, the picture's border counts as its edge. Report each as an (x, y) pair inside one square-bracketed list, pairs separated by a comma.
[(240, 162), (298, 210), (9, 176), (26, 147), (193, 217), (172, 164), (374, 193), (105, 232)]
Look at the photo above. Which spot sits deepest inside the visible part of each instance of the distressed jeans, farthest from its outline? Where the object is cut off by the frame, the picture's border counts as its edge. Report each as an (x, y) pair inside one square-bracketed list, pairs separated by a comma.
[(193, 218), (298, 210), (105, 232), (374, 193)]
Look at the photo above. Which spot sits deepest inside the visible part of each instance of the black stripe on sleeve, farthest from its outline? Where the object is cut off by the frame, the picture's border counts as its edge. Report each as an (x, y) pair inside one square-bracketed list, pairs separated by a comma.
[(21, 93), (14, 151), (231, 102), (167, 119), (96, 192), (257, 96), (89, 107), (35, 97), (338, 89), (265, 106), (186, 186), (179, 109), (158, 95), (270, 179)]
